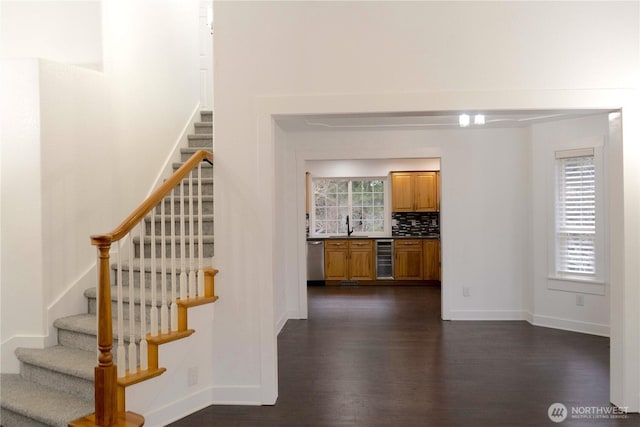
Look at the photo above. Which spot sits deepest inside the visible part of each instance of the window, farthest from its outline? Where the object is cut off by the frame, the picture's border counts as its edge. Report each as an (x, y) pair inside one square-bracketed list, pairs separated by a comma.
[(576, 215), (362, 199)]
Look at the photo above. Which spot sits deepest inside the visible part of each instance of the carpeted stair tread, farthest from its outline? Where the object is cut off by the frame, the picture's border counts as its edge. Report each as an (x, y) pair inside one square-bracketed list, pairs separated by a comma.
[(147, 239), (205, 165), (66, 360), (92, 292), (200, 136), (87, 324), (40, 403)]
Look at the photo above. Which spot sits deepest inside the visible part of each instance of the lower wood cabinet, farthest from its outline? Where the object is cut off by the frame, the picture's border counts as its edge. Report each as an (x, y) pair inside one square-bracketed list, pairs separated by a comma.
[(352, 259), (408, 259), (431, 252), (336, 256)]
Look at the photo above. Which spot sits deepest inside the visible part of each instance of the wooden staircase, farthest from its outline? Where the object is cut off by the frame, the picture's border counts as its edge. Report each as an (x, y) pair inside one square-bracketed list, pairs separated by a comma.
[(63, 381)]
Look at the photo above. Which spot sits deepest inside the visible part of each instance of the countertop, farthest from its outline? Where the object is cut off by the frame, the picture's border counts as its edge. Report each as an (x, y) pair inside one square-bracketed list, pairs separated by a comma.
[(430, 236)]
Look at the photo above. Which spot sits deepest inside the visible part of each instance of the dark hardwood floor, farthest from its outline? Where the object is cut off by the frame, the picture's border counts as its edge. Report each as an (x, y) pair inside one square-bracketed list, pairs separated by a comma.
[(381, 356)]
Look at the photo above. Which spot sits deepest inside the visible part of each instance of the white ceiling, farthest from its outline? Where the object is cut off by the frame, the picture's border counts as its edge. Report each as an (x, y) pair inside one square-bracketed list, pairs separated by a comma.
[(426, 120)]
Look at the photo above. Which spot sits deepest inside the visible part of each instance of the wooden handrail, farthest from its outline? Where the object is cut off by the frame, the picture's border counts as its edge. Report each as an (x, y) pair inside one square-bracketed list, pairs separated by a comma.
[(105, 375), (153, 200)]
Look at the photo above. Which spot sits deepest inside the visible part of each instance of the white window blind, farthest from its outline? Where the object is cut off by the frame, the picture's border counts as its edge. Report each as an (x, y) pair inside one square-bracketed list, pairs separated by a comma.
[(576, 214)]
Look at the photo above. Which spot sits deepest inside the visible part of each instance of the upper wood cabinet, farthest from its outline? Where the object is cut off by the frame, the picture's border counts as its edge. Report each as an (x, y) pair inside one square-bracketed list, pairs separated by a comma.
[(351, 259), (415, 191)]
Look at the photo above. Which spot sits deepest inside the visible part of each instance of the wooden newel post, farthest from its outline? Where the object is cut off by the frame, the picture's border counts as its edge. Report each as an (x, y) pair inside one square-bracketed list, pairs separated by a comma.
[(106, 371)]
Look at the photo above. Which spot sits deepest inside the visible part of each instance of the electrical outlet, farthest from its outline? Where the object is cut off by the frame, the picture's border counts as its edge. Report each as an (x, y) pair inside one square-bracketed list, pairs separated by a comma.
[(580, 300), (192, 376), (466, 292)]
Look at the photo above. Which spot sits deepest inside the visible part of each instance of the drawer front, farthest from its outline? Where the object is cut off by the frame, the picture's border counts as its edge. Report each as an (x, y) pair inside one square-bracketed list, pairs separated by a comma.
[(336, 244), (361, 244), (407, 243)]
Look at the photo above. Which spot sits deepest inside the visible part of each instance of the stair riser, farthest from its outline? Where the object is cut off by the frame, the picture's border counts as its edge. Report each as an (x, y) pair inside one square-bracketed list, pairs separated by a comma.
[(125, 314), (207, 250), (206, 117), (207, 228), (204, 142), (11, 419), (207, 188), (207, 207), (88, 342), (77, 340), (147, 277), (204, 128), (58, 381), (186, 154), (206, 172)]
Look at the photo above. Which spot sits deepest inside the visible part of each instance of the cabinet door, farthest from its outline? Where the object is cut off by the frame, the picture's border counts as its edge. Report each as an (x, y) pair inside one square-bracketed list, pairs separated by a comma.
[(426, 192), (431, 251), (335, 260), (402, 199), (361, 260), (408, 260)]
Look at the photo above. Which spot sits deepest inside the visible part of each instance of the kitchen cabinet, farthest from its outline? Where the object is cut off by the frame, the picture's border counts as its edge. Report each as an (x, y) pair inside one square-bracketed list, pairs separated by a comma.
[(408, 259), (349, 259), (431, 264), (415, 191), (336, 255), (361, 260)]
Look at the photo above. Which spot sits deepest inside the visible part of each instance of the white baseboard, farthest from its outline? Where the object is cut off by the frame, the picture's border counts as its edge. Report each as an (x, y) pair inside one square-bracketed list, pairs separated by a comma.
[(229, 395), (237, 395), (487, 315), (281, 322), (569, 325), (179, 409)]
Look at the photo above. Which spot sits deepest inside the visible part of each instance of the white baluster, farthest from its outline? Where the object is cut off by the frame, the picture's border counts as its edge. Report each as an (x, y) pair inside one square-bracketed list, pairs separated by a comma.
[(121, 358), (174, 307), (132, 315), (154, 300), (144, 361), (183, 236), (164, 310), (200, 235), (192, 267)]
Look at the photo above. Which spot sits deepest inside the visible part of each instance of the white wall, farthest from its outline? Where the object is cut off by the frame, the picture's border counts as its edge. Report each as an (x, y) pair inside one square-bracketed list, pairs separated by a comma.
[(21, 283), (78, 189), (151, 63), (63, 31), (350, 57), (551, 306), (369, 167)]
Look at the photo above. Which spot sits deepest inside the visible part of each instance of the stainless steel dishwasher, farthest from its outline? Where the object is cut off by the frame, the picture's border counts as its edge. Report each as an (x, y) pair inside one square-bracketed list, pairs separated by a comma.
[(315, 262)]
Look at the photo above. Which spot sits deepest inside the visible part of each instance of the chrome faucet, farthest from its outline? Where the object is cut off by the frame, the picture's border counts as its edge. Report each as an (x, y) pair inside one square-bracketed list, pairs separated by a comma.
[(349, 231)]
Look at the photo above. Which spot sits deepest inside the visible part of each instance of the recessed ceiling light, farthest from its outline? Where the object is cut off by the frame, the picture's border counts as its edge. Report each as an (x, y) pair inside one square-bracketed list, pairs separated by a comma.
[(478, 119), (464, 120)]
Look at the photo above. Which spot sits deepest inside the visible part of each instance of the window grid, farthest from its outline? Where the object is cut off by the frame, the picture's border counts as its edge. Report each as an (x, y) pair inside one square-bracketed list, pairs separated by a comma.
[(576, 217), (361, 199)]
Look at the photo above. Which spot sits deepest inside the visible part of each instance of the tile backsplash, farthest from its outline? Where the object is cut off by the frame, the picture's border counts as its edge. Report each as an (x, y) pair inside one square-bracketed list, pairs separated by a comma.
[(415, 223)]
